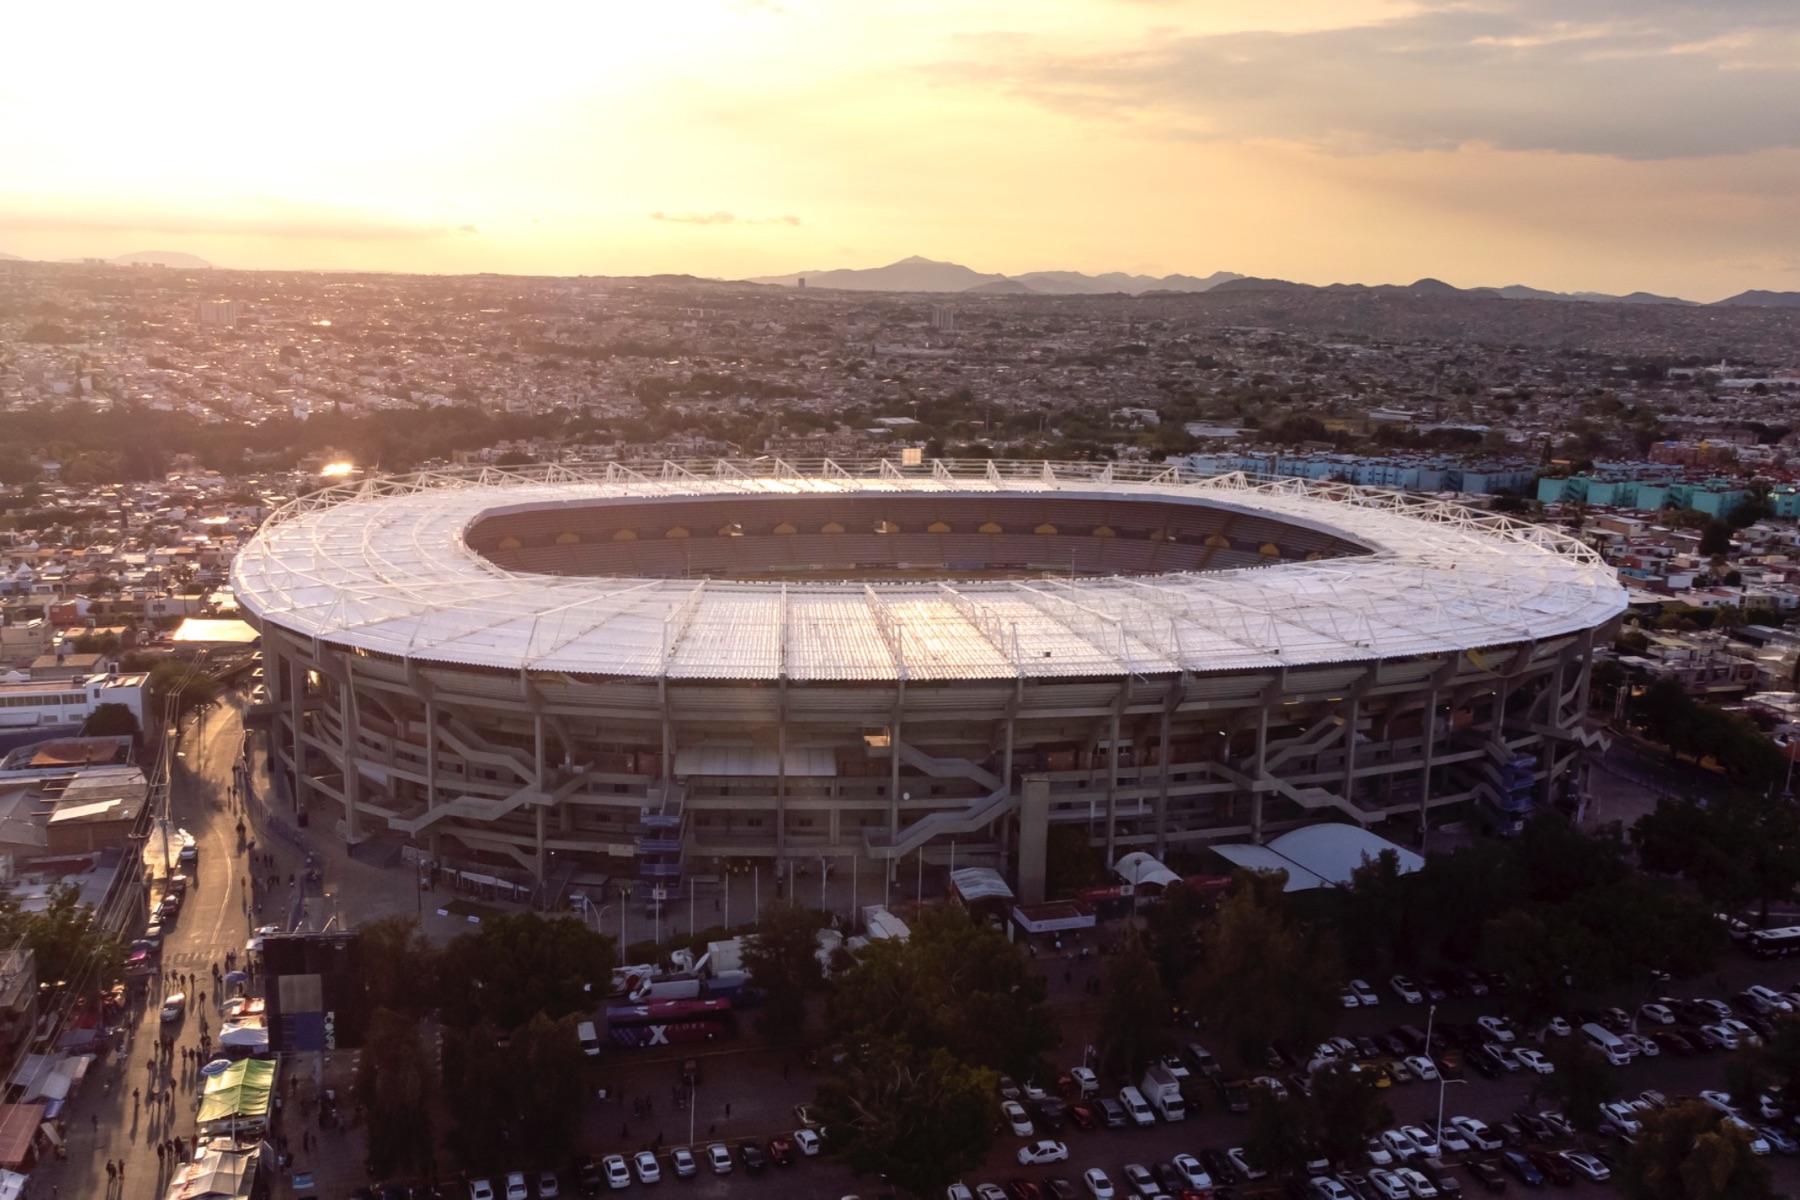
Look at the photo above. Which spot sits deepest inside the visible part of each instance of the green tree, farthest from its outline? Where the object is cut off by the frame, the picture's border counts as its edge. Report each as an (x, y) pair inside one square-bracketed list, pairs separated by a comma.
[(917, 1118), (518, 965), (68, 946), (1347, 1108), (1687, 1152), (399, 966), (1134, 1025), (110, 720), (1739, 850), (955, 985), (547, 1058), (1582, 1083), (188, 686), (782, 961), (479, 1080), (1280, 1135), (396, 1088), (1263, 975)]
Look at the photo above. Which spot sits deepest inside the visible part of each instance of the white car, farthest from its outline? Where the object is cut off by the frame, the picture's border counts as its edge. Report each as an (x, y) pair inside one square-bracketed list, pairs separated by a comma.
[(983, 1191), (719, 1155), (1657, 1014), (1454, 1140), (1086, 1082), (515, 1187), (1767, 1107), (1327, 1188), (1191, 1170), (1407, 990), (1379, 1154), (1773, 1000), (618, 1175), (807, 1142), (1423, 1067), (1533, 1060), (1039, 1153), (1399, 1144), (1098, 1185), (1365, 994), (958, 1191), (481, 1189), (1497, 1029), (1276, 1089), (1558, 1027), (644, 1163), (682, 1160), (1559, 1124), (1759, 1145), (174, 1005), (1746, 1036), (1417, 1185), (548, 1186), (1424, 1139), (1240, 1158), (1586, 1165), (1389, 1185), (1033, 1092), (1477, 1131), (1720, 1101), (1640, 1046), (1623, 1115), (1728, 1038), (1349, 999), (1140, 1180), (1016, 1118)]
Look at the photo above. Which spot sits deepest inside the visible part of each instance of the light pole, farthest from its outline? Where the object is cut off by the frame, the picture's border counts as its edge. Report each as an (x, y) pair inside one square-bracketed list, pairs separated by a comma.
[(1439, 1129)]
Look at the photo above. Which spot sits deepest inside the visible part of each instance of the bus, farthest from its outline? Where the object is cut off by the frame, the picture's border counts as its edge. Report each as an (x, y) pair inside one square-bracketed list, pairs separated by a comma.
[(668, 1022), (1774, 943)]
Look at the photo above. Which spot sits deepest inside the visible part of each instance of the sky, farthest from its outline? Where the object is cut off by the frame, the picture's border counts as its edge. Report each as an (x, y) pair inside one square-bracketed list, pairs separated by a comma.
[(1606, 145)]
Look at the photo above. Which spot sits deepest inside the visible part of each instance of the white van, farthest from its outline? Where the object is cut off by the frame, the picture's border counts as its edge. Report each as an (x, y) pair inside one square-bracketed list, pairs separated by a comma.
[(1606, 1042), (590, 1041), (1136, 1107)]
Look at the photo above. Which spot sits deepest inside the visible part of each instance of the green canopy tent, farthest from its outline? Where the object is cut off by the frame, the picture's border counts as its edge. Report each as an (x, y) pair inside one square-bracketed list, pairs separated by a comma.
[(238, 1098)]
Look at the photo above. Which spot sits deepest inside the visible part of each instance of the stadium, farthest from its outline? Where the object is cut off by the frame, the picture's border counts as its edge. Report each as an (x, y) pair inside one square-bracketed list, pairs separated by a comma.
[(657, 670)]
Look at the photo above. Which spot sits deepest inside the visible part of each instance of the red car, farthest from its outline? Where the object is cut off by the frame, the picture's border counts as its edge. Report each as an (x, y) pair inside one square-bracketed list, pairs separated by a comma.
[(1024, 1189), (781, 1151), (1081, 1116)]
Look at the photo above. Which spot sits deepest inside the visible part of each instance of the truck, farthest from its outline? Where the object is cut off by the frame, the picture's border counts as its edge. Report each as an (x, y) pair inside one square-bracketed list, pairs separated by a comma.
[(1162, 1091)]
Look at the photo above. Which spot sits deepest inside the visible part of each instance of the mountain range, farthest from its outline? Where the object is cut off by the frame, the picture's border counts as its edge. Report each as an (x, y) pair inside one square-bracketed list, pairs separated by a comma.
[(137, 258), (918, 274)]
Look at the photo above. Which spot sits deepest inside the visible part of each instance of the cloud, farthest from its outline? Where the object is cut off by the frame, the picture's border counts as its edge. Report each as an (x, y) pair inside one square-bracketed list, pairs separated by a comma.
[(253, 216), (720, 218), (1628, 79)]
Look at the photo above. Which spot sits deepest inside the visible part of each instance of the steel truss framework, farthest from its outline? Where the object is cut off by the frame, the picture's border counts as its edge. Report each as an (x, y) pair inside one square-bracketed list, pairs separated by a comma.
[(1171, 709)]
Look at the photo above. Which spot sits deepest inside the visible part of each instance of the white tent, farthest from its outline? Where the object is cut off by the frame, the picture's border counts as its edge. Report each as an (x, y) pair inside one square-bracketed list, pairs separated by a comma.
[(1144, 870)]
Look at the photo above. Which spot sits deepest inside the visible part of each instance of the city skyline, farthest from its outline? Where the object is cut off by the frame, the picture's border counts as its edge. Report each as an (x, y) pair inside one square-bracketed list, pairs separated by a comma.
[(1594, 146)]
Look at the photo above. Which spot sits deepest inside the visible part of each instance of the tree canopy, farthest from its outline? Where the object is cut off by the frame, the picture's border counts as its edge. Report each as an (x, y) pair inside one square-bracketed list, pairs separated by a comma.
[(519, 965), (783, 963)]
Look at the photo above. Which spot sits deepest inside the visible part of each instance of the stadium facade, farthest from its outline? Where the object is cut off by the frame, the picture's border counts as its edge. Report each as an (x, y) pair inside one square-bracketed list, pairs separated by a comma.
[(649, 669)]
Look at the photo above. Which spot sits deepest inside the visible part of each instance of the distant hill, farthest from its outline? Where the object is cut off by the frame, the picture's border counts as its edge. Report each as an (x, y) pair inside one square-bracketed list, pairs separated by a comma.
[(1761, 299), (10, 258), (917, 274), (161, 258)]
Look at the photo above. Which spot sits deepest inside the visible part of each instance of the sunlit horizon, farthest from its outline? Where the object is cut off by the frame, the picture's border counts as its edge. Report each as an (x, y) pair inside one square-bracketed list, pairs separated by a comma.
[(1587, 145)]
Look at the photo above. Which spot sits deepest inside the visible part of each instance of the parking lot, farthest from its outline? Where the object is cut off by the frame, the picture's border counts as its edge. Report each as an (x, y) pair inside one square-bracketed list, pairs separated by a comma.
[(756, 1076)]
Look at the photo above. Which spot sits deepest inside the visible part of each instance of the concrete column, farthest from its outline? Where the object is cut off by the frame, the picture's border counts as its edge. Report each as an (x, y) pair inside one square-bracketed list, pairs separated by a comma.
[(431, 755), (1429, 730), (894, 776), (1034, 838), (1256, 776), (543, 861), (1112, 790), (1350, 750), (781, 772), (296, 718), (1162, 785), (351, 721)]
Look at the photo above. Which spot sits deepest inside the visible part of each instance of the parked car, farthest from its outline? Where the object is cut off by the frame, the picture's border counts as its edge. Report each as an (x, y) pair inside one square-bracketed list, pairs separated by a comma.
[(1365, 994), (645, 1165), (1099, 1185), (751, 1155), (1586, 1166), (1407, 990), (1551, 1167), (683, 1163), (719, 1155), (1039, 1153), (618, 1175), (1522, 1168), (1486, 1174)]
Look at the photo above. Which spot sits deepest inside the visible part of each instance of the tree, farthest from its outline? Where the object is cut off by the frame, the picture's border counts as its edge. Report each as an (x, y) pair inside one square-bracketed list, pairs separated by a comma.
[(955, 985), (1688, 1152), (917, 1119), (519, 965), (782, 961), (399, 966), (1739, 850), (1134, 1026), (548, 1088), (396, 1086), (1263, 975), (110, 720), (187, 685), (1582, 1083), (67, 945), (1279, 1139), (1715, 538), (478, 1089), (1347, 1108)]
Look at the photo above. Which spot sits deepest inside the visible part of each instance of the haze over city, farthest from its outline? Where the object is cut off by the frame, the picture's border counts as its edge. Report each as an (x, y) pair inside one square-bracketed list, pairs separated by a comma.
[(1590, 145)]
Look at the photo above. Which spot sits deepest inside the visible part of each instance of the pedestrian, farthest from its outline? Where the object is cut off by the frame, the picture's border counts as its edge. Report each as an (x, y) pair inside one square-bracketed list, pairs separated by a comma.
[(134, 1097), (728, 1109), (96, 1120), (161, 1153), (111, 1173), (121, 1174)]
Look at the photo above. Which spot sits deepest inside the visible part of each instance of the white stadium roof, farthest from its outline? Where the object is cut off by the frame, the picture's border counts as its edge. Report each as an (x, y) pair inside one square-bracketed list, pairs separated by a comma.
[(1315, 856), (383, 566)]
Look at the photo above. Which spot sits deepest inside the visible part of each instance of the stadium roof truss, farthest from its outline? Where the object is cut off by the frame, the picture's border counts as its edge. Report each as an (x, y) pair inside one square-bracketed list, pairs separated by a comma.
[(383, 566)]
